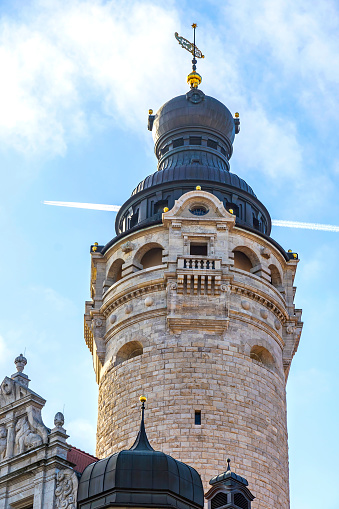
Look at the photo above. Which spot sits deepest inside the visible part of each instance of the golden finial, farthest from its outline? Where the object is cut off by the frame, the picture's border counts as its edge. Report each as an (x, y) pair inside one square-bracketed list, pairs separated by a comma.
[(236, 115), (166, 209), (230, 211), (95, 247), (198, 188), (194, 79), (289, 251), (142, 399), (150, 112)]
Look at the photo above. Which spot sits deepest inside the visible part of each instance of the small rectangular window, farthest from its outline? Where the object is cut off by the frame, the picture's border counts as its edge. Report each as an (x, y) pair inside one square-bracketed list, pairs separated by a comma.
[(212, 144), (178, 142), (198, 249), (223, 151), (195, 140), (197, 417)]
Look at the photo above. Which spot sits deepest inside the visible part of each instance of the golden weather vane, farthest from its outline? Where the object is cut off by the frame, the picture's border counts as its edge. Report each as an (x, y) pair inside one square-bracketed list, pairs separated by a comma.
[(194, 79)]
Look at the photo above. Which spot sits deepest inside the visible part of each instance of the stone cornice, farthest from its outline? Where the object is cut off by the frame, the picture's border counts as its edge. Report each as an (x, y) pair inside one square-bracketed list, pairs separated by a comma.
[(131, 320), (262, 299), (125, 296)]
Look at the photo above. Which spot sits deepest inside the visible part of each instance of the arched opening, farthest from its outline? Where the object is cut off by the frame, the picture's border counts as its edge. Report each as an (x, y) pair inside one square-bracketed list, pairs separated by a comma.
[(275, 277), (115, 271), (128, 351), (152, 258), (242, 261), (262, 355)]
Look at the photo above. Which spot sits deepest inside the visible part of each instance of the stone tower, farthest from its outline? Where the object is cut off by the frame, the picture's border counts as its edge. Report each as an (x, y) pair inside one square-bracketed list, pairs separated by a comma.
[(192, 305)]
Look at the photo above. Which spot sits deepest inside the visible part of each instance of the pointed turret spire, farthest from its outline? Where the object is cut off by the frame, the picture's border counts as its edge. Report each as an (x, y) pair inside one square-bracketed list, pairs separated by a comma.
[(141, 443)]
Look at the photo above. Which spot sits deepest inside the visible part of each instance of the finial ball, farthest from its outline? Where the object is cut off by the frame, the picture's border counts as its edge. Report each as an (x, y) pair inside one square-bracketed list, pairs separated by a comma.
[(20, 363), (150, 112), (166, 209), (198, 188), (59, 420), (142, 399), (236, 115)]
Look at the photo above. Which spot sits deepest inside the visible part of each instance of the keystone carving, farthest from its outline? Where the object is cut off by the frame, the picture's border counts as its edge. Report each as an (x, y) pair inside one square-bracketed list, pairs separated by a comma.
[(3, 442), (66, 490), (127, 247), (149, 301), (265, 252)]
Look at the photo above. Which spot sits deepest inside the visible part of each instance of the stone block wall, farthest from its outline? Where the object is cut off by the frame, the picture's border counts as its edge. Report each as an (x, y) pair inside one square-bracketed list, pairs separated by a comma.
[(209, 337)]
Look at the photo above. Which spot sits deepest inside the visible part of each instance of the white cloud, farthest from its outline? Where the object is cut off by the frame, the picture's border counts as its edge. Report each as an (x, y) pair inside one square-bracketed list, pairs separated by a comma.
[(121, 57)]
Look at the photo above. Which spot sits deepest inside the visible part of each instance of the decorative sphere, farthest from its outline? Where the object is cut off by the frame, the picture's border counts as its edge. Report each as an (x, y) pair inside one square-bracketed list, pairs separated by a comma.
[(142, 399), (148, 301)]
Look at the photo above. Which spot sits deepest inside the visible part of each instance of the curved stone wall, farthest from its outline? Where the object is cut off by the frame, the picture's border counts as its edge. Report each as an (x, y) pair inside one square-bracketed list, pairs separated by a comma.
[(204, 336)]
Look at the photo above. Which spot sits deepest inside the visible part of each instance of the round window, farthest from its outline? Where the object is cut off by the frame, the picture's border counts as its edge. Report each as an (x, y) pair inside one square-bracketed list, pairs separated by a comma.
[(199, 210)]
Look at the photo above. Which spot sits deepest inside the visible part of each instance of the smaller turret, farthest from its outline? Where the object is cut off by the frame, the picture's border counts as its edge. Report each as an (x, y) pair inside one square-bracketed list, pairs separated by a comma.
[(230, 490)]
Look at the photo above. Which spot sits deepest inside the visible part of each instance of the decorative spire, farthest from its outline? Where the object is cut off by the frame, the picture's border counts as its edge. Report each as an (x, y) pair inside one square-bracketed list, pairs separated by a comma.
[(194, 79), (141, 443), (228, 465)]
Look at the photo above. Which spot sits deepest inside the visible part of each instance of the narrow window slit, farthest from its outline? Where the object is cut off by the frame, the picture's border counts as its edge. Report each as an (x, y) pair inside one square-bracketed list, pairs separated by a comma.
[(197, 417)]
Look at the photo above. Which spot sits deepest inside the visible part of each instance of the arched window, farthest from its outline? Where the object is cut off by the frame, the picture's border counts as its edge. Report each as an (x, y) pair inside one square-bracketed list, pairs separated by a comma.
[(262, 355), (241, 261), (128, 351), (152, 258), (275, 277), (115, 271)]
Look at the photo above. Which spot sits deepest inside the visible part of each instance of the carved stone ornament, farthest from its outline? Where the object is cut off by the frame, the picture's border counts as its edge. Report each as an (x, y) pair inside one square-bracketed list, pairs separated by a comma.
[(59, 420), (113, 319), (129, 309), (149, 301), (127, 247), (173, 286), (245, 305), (97, 322), (3, 442), (264, 313), (277, 324), (66, 490), (30, 432), (290, 329), (25, 439), (265, 252)]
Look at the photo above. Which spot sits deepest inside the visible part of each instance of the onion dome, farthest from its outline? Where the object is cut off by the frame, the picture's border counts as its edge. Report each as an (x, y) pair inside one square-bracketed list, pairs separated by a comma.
[(140, 477), (190, 123), (193, 136)]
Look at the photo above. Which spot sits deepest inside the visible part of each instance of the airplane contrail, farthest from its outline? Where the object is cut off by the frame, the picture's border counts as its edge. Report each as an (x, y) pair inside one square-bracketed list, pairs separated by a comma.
[(275, 222), (92, 206), (306, 226)]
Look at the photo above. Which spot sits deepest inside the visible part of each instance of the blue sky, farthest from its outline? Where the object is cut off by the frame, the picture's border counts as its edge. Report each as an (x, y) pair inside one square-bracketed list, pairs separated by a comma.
[(77, 81)]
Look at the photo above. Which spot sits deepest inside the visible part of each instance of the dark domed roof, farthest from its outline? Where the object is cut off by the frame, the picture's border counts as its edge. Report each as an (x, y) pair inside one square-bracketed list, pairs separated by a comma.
[(195, 172), (140, 477), (195, 109)]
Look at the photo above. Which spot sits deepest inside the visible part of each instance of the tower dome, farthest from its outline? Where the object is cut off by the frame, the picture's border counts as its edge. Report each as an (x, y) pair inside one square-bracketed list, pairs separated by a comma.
[(190, 121), (193, 142)]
